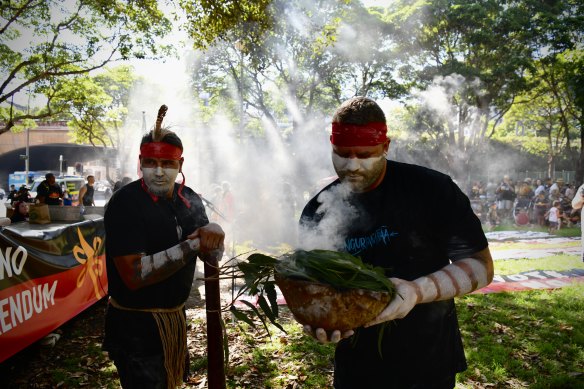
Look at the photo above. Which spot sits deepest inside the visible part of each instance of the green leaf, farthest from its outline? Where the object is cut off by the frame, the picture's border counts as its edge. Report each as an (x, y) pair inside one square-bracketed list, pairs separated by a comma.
[(239, 315), (270, 289)]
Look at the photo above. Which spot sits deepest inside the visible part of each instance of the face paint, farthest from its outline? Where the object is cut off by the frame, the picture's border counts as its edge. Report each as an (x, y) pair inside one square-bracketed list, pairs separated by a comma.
[(158, 180), (359, 173)]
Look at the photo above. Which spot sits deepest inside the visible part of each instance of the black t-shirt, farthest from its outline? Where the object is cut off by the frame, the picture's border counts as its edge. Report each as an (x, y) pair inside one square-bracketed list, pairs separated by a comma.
[(135, 223), (88, 196), (411, 224), (51, 193)]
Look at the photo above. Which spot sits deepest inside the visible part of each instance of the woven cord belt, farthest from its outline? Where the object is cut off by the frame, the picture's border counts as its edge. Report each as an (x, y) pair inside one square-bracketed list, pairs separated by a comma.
[(172, 328)]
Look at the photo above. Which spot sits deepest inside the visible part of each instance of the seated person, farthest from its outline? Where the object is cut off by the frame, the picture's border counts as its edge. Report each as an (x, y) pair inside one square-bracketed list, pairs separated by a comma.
[(20, 213)]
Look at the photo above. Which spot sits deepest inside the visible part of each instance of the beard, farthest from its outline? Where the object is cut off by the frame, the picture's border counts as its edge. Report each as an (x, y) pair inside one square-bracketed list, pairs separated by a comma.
[(160, 182), (358, 174)]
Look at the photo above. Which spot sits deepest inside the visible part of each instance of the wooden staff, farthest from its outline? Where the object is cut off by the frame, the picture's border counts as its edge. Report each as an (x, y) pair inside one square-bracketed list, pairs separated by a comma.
[(215, 356)]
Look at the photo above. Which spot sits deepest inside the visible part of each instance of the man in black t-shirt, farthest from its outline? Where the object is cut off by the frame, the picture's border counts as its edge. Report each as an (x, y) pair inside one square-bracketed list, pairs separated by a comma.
[(86, 193), (155, 229), (433, 251), (49, 192)]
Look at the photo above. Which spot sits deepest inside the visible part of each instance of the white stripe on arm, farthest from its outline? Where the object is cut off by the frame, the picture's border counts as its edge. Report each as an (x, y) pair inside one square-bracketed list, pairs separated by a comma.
[(456, 279)]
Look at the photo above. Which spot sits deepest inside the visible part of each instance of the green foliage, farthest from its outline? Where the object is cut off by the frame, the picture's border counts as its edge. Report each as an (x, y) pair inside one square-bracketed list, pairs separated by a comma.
[(209, 21), (301, 67), (48, 43), (340, 270), (98, 105), (482, 55)]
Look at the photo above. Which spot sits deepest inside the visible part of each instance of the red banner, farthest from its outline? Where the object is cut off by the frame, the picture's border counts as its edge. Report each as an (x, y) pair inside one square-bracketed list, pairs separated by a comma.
[(48, 275)]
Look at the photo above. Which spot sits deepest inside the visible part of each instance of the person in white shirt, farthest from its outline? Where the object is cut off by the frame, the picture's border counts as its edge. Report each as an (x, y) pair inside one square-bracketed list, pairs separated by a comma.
[(540, 187), (577, 203), (554, 216)]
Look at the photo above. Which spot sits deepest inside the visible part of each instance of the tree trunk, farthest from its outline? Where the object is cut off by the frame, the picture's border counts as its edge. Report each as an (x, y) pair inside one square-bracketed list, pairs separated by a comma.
[(580, 165)]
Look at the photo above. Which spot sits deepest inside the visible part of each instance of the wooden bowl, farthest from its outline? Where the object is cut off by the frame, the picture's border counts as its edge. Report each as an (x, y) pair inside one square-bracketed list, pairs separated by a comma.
[(322, 306)]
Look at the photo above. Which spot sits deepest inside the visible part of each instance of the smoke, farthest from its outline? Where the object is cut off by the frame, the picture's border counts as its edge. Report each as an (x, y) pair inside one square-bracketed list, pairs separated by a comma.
[(338, 215), (270, 178)]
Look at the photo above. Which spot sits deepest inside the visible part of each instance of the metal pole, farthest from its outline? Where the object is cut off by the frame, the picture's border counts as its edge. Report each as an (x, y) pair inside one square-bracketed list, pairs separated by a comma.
[(215, 356), (60, 165), (26, 161), (242, 101)]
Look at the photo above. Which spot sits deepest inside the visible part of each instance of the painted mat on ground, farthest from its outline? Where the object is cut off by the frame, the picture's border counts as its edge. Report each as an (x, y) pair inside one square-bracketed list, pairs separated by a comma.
[(537, 279)]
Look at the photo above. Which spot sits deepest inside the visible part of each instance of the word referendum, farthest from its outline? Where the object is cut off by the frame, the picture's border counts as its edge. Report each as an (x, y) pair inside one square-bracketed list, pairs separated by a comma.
[(18, 308)]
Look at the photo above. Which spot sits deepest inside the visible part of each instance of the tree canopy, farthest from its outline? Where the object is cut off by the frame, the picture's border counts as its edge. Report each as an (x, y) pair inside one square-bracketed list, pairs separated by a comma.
[(466, 71), (47, 42)]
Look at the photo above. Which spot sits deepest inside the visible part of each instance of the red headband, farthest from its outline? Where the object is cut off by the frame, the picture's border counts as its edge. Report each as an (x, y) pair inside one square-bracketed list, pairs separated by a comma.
[(160, 150), (370, 134)]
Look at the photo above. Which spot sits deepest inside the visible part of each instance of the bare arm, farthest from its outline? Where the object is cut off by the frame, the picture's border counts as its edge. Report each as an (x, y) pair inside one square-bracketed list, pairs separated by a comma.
[(139, 270), (82, 192), (456, 279)]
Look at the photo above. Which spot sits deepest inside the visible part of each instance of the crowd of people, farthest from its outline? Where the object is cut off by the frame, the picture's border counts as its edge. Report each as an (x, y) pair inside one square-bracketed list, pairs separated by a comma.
[(49, 192), (542, 202)]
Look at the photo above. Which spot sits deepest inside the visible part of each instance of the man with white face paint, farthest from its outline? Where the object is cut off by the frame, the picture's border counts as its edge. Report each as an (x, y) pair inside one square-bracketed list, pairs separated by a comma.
[(155, 229), (415, 223)]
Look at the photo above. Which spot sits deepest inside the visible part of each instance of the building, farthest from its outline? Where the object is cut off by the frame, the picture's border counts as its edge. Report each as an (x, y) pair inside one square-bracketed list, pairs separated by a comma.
[(50, 149)]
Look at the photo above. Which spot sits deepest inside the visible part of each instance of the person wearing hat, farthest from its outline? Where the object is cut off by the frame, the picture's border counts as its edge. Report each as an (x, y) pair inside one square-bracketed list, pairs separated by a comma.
[(556, 189), (430, 260), (155, 229)]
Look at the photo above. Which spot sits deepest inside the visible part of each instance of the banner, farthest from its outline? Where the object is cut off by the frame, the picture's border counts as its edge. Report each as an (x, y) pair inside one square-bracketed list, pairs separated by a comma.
[(48, 275)]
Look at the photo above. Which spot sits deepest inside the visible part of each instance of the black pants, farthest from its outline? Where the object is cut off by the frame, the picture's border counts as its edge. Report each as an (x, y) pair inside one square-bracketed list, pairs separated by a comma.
[(139, 371), (448, 382)]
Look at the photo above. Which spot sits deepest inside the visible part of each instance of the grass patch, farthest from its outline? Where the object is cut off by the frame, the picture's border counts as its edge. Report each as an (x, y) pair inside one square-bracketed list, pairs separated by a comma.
[(564, 232), (555, 262), (496, 246), (533, 339)]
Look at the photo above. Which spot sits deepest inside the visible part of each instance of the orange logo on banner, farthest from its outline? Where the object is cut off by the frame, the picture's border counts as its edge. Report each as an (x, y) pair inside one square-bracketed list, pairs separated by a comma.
[(93, 266)]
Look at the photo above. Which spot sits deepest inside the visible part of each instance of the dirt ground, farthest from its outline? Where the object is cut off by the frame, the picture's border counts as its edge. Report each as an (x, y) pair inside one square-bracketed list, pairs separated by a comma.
[(76, 355)]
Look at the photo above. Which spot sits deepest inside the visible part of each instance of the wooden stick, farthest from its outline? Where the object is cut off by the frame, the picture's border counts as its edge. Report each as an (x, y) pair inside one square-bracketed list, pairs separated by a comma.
[(215, 356)]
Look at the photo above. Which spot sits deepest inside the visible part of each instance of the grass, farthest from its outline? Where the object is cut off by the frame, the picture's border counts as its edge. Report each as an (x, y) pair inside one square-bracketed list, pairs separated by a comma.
[(533, 339), (529, 339), (560, 262)]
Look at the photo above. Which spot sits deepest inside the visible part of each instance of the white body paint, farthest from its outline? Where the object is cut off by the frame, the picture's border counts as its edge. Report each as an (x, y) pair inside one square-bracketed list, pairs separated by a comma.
[(158, 180), (354, 164), (358, 173), (463, 280), (151, 263)]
